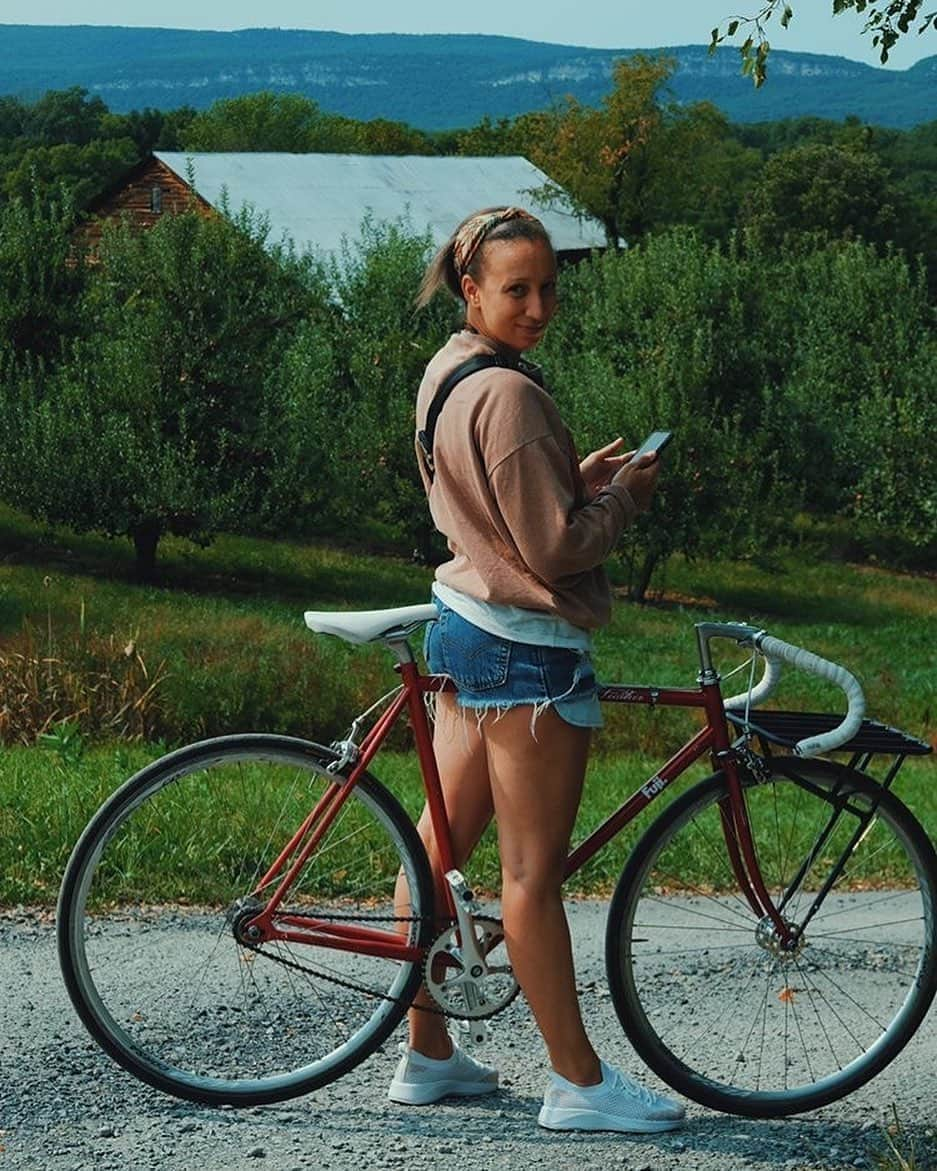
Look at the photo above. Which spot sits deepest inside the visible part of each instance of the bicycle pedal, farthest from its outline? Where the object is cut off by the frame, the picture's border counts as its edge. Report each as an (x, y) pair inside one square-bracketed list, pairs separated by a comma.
[(462, 892), (475, 1032)]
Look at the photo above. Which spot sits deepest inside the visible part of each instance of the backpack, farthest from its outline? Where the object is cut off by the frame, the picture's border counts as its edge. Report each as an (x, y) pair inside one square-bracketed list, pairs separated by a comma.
[(448, 385)]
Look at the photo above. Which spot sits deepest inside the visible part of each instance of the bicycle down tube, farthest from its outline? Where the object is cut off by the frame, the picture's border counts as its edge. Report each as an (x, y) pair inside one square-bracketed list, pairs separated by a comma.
[(268, 925)]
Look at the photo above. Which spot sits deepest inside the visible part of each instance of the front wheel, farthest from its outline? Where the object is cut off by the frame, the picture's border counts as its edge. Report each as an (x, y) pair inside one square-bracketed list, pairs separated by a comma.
[(148, 922), (706, 992)]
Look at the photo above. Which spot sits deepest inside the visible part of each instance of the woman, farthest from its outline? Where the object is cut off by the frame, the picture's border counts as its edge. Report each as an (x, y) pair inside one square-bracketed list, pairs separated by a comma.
[(528, 527)]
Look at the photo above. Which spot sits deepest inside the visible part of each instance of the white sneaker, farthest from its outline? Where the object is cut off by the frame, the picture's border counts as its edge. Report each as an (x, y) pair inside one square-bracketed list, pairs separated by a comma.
[(616, 1103), (420, 1080)]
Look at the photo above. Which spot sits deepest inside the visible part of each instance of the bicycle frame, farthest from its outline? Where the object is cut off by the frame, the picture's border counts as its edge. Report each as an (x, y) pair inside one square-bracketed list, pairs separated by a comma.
[(713, 738)]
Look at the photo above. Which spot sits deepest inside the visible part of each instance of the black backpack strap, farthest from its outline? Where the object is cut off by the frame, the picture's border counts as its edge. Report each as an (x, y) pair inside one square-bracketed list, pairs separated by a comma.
[(448, 385)]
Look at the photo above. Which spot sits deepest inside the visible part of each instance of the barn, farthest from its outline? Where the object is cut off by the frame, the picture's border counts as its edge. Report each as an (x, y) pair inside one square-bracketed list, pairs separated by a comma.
[(319, 200)]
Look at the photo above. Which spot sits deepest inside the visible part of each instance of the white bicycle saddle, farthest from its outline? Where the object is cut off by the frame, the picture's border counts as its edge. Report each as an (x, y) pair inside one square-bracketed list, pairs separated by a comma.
[(360, 626)]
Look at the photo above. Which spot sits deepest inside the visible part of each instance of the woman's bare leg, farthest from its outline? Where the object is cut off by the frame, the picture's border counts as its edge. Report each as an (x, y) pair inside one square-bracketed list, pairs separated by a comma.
[(536, 786), (463, 770)]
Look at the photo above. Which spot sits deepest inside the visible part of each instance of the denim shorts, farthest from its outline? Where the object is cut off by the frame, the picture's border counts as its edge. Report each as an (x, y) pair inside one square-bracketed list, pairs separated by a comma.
[(494, 672)]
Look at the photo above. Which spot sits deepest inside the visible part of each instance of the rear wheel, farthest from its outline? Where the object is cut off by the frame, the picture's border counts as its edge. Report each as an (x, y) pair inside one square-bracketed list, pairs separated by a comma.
[(707, 994), (149, 935)]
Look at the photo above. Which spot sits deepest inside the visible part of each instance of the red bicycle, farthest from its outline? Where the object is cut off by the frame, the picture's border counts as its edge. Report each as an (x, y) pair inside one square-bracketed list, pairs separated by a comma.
[(249, 917)]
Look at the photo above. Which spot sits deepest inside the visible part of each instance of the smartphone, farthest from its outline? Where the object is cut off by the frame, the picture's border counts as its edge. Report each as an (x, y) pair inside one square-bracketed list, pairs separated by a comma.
[(656, 441)]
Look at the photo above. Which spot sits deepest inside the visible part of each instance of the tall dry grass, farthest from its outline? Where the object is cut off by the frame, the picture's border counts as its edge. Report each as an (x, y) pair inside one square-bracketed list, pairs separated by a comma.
[(96, 683)]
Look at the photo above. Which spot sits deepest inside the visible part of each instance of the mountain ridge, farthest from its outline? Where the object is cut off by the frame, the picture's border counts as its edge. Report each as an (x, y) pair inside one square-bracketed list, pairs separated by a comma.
[(409, 76)]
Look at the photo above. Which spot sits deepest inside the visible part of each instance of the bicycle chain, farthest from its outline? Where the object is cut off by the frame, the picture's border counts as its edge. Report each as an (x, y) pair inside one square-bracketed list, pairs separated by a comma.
[(296, 966)]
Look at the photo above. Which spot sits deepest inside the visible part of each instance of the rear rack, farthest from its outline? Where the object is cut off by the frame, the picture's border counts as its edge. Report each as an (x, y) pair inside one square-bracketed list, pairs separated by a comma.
[(872, 739)]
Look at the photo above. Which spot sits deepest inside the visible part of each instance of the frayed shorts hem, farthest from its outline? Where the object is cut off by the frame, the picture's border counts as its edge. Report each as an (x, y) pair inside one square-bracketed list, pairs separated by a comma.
[(495, 673), (577, 712)]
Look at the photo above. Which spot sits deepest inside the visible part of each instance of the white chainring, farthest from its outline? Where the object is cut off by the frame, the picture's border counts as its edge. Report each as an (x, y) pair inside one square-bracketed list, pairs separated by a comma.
[(470, 995)]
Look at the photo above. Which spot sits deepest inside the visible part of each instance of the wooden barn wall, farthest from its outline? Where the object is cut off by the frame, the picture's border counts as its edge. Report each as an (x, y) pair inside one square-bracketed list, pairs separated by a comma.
[(135, 201)]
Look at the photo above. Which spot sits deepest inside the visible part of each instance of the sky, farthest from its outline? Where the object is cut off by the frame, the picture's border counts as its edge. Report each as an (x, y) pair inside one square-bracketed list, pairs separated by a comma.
[(617, 24)]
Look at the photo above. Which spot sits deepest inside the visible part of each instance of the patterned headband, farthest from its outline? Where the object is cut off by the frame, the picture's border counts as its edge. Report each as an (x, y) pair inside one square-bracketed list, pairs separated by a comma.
[(473, 231)]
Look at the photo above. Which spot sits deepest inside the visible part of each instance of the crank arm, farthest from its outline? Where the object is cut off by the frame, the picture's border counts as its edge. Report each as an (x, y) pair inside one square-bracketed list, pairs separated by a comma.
[(473, 960)]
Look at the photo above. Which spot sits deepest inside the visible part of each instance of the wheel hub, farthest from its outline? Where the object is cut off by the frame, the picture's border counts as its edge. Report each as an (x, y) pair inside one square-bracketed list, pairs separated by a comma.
[(767, 937), (239, 916)]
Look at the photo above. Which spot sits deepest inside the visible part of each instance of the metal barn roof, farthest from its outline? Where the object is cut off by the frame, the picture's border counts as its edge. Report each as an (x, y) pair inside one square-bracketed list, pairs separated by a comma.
[(316, 199)]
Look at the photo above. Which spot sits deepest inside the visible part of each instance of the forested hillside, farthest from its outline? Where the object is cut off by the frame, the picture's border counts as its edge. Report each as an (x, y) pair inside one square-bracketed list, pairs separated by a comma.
[(433, 82)]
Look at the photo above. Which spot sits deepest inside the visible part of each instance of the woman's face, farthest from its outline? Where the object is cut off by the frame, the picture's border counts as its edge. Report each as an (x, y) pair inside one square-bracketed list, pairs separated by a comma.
[(514, 296)]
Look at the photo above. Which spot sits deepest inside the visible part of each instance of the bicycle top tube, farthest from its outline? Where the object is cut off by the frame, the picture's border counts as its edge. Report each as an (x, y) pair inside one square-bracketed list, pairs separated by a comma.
[(393, 627)]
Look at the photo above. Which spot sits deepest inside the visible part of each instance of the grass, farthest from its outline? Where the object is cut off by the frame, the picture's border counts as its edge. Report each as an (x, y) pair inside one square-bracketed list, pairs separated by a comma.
[(901, 1151), (46, 800), (224, 627)]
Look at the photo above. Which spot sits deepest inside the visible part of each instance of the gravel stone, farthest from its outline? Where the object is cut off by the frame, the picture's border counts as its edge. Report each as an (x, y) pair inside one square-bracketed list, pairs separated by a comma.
[(71, 1106)]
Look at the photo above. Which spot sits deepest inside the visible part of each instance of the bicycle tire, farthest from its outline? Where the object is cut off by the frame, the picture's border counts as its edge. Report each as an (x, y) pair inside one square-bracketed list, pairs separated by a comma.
[(152, 965), (718, 1014)]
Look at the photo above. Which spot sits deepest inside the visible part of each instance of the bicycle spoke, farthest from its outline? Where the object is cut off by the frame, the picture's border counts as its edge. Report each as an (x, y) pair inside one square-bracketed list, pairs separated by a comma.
[(881, 1026), (729, 925), (812, 989)]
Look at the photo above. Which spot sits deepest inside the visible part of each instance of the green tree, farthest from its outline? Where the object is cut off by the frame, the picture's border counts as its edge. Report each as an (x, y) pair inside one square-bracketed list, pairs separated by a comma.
[(666, 335), (159, 421), (596, 157), (268, 122), (66, 116), (383, 345), (501, 137), (85, 171), (41, 279), (694, 172), (856, 357), (821, 192), (13, 116), (381, 136)]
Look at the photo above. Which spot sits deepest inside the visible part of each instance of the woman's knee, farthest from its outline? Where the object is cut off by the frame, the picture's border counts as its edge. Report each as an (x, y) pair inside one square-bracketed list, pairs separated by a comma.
[(532, 879)]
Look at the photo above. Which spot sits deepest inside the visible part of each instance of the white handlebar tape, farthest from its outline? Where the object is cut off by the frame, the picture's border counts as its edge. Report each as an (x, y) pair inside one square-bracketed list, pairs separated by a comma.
[(762, 689), (802, 660)]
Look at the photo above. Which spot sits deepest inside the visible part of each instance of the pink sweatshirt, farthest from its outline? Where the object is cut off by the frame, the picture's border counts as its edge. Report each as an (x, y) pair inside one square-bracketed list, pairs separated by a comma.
[(509, 497)]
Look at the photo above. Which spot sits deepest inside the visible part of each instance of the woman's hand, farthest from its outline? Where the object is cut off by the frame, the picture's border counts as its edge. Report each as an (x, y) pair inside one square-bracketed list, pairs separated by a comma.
[(599, 469), (640, 478)]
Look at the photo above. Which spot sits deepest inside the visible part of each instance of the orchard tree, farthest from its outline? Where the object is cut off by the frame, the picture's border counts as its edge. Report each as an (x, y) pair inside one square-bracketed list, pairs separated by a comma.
[(382, 346), (41, 278), (666, 331), (159, 421)]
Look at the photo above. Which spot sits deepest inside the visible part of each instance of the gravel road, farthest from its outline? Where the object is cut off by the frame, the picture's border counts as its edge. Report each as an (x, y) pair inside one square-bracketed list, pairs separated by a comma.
[(63, 1104)]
